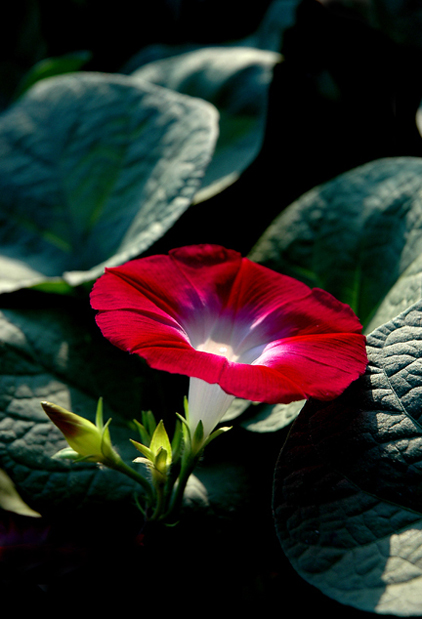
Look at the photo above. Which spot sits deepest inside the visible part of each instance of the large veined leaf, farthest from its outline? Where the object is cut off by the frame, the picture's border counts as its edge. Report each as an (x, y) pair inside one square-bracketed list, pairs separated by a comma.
[(236, 81), (348, 483), (406, 291), (354, 236), (358, 236), (94, 169), (235, 78)]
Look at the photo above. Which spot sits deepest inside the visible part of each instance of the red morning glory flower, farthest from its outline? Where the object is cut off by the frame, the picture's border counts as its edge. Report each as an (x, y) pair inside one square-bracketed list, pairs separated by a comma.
[(235, 327)]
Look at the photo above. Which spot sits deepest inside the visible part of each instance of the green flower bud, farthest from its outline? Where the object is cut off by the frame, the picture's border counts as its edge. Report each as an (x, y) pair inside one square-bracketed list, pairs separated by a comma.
[(89, 442), (158, 456)]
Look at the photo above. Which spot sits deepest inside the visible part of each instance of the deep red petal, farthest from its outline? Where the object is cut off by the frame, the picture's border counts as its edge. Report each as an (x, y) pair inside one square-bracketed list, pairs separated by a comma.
[(306, 342)]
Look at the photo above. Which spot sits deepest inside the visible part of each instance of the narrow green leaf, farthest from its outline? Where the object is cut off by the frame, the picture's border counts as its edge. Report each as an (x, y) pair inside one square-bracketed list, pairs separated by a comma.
[(145, 436), (149, 422), (99, 415)]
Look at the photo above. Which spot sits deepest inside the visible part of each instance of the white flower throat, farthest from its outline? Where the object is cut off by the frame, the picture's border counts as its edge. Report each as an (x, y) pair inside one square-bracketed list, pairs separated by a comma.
[(218, 348)]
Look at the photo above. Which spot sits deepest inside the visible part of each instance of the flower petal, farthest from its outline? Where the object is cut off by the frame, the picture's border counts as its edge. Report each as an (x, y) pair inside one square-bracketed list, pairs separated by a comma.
[(206, 312)]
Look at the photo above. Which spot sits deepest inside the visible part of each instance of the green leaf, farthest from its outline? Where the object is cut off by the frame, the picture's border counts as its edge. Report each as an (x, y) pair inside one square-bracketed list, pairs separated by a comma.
[(11, 501), (261, 417), (149, 422), (348, 483), (270, 417), (404, 293), (49, 67), (358, 236), (145, 436), (236, 81), (279, 17), (95, 168), (219, 489), (355, 236)]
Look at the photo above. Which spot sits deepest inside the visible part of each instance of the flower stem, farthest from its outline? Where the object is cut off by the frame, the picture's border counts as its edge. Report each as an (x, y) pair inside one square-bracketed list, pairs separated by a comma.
[(188, 465), (130, 472)]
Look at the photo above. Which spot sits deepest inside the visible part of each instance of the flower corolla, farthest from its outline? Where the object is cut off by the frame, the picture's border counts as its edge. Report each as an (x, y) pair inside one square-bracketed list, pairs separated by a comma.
[(235, 327)]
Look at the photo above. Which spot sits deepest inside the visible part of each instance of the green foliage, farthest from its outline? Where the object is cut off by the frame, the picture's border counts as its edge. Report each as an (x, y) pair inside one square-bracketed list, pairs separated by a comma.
[(50, 67), (359, 236), (347, 499), (96, 168), (354, 236), (236, 81)]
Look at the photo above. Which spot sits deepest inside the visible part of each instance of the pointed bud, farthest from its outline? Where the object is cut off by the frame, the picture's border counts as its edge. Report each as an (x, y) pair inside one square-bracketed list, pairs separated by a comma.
[(158, 455), (160, 440), (161, 461), (88, 442), (198, 437)]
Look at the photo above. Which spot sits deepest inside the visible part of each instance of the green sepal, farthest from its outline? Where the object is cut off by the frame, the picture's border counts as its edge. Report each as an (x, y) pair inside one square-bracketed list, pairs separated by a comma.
[(160, 440), (198, 435), (70, 454), (145, 461), (106, 446), (99, 415), (159, 452), (186, 407), (160, 462), (177, 442), (217, 433), (183, 420), (148, 421), (146, 451), (147, 427), (185, 430), (143, 433)]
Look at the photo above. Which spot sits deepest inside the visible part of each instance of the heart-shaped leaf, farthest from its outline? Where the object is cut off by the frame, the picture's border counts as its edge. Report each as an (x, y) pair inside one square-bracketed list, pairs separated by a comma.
[(348, 483), (95, 168), (236, 81), (358, 236), (354, 236)]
